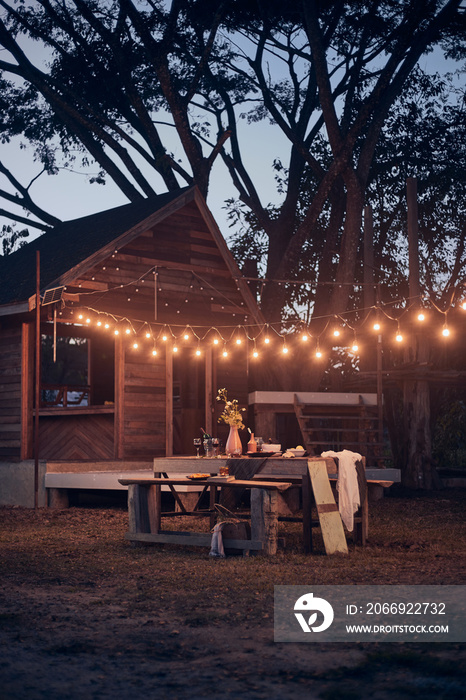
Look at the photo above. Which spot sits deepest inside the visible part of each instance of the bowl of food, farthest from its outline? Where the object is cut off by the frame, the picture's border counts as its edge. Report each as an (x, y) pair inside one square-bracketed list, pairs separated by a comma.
[(297, 451)]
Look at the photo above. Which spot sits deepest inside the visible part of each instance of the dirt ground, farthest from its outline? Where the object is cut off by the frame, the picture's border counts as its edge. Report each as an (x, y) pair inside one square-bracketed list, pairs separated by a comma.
[(85, 615)]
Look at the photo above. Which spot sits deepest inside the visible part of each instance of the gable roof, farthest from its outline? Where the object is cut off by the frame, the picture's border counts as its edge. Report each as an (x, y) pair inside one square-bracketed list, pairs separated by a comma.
[(69, 243), (175, 230)]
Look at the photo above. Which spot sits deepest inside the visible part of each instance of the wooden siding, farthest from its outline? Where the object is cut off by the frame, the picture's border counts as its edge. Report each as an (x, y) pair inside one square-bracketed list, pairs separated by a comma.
[(10, 392), (76, 437), (143, 419)]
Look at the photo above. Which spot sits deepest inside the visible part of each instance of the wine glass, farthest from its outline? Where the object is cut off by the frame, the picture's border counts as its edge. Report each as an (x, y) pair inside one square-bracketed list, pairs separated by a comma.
[(197, 444)]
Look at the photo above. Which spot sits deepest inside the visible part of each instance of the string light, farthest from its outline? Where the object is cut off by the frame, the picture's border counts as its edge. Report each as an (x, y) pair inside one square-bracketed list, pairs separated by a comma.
[(142, 329)]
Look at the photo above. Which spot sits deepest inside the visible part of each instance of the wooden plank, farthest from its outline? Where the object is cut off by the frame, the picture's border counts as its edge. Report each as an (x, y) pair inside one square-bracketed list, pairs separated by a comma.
[(236, 483), (327, 510), (118, 437), (194, 539), (264, 519), (169, 402)]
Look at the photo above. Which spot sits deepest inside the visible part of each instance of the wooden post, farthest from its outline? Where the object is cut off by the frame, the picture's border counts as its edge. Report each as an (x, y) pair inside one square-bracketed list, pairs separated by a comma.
[(264, 519), (209, 405), (168, 401), (119, 398), (37, 391)]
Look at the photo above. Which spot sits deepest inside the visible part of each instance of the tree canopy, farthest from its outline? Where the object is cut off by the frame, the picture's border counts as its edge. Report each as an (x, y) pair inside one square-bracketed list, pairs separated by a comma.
[(340, 81)]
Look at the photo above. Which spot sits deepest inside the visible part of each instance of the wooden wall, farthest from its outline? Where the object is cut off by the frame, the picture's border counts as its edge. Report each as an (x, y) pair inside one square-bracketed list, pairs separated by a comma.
[(141, 433), (10, 392), (75, 437)]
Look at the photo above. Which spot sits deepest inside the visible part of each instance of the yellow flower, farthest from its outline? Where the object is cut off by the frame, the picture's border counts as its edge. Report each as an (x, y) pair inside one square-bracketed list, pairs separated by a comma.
[(231, 413)]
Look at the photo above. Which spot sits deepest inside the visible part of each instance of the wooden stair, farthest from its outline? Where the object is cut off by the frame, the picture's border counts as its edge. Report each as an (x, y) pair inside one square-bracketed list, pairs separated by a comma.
[(341, 426)]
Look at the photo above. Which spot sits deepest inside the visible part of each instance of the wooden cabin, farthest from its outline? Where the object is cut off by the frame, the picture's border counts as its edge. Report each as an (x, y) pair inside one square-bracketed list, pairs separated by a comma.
[(137, 305)]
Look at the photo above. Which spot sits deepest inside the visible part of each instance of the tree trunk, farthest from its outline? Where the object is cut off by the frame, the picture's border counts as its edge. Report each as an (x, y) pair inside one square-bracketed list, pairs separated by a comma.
[(419, 472)]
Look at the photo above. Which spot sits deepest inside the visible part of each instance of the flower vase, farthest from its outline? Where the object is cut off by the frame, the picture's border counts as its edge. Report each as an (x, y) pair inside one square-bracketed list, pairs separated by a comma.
[(233, 446)]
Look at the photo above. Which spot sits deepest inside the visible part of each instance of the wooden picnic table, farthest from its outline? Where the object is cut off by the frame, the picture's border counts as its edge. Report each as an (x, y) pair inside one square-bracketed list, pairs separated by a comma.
[(145, 512), (294, 471)]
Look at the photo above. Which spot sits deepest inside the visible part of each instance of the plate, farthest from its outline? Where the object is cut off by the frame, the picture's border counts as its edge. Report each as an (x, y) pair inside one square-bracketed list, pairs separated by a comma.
[(199, 477)]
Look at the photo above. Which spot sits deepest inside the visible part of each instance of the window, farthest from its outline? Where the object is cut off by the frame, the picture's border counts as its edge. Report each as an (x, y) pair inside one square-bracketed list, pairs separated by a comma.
[(82, 373)]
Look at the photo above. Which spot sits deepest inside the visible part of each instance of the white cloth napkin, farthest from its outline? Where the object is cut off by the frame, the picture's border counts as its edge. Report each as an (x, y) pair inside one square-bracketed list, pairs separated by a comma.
[(347, 485)]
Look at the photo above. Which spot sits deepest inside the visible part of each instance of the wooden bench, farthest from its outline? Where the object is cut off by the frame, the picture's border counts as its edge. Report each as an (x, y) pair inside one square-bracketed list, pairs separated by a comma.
[(145, 513)]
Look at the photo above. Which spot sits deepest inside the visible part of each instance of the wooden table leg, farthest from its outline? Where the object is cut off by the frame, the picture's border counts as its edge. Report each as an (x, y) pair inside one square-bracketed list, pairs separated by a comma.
[(264, 519), (212, 502), (154, 507), (307, 513)]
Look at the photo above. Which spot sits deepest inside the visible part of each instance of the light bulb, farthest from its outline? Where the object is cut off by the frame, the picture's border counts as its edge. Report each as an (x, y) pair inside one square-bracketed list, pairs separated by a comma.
[(377, 326), (421, 316), (215, 341), (164, 338), (116, 331), (186, 336), (175, 349), (336, 333), (318, 354), (107, 325), (304, 337), (127, 331), (224, 353), (135, 346), (399, 338), (99, 323), (355, 347), (147, 334), (154, 352), (445, 332), (255, 353), (198, 352), (463, 305), (267, 340), (238, 341), (285, 350)]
